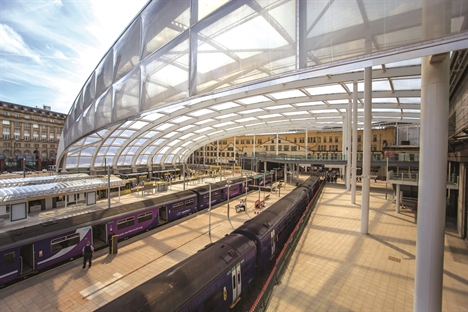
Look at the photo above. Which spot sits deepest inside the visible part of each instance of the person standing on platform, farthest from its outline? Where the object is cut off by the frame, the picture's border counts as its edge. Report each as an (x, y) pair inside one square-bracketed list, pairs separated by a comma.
[(87, 252), (109, 239)]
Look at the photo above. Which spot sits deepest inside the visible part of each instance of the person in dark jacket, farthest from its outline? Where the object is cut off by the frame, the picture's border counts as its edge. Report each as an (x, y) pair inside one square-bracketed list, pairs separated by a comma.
[(87, 252), (109, 239)]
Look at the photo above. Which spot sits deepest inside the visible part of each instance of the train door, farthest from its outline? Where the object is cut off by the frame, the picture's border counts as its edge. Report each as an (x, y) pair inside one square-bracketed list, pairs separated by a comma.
[(163, 214), (236, 284), (273, 245), (27, 264), (99, 235)]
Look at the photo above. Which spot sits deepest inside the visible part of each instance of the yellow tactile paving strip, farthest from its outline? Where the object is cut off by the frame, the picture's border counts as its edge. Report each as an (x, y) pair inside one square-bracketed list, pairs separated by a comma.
[(336, 268)]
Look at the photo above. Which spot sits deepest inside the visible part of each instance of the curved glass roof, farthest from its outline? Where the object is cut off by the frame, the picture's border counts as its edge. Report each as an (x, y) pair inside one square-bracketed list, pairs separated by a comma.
[(181, 77)]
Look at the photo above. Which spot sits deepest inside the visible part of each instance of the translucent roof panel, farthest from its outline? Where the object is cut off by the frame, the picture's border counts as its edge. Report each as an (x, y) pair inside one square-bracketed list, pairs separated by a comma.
[(173, 76)]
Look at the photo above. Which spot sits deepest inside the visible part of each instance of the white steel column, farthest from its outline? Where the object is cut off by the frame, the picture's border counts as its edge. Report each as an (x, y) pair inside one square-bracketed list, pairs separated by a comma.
[(234, 150), (204, 154), (397, 198), (306, 139), (354, 148), (436, 20), (348, 146), (277, 137), (366, 161), (217, 153), (432, 184), (344, 135), (254, 142)]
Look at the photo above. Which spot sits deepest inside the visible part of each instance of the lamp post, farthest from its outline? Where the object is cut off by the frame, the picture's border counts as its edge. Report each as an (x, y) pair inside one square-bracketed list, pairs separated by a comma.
[(228, 183)]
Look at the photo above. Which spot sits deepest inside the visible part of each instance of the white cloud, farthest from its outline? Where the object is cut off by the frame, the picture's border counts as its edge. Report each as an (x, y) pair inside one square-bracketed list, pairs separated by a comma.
[(12, 43), (50, 48)]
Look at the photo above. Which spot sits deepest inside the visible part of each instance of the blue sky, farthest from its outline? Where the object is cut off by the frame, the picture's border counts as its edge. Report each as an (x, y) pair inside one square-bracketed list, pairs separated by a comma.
[(48, 48)]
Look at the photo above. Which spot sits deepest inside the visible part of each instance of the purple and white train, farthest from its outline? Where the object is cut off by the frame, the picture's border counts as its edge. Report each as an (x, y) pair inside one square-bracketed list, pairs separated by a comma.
[(215, 278), (32, 249)]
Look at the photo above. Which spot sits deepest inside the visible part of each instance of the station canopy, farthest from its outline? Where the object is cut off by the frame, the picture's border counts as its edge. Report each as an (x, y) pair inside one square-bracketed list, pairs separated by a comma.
[(179, 78), (14, 182), (58, 188)]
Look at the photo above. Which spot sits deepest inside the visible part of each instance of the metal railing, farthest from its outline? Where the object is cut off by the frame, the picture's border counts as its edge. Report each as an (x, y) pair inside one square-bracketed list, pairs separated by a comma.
[(414, 177), (337, 157)]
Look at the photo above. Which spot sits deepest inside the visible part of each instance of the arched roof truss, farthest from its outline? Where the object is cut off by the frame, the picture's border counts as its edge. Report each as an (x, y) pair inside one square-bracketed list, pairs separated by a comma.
[(180, 77)]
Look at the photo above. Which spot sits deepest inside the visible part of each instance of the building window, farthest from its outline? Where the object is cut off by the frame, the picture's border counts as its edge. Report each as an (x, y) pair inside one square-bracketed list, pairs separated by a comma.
[(374, 138), (319, 140), (259, 141), (336, 139), (6, 122), (324, 139), (359, 138), (330, 139), (286, 148), (293, 148), (27, 117), (27, 125), (280, 148), (301, 140)]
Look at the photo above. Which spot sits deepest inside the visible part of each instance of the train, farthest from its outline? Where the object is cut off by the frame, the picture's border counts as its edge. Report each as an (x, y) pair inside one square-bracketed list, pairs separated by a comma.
[(35, 248), (215, 277)]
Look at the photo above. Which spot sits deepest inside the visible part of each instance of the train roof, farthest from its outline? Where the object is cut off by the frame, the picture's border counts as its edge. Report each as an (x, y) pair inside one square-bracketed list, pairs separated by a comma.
[(261, 224), (57, 226), (187, 277)]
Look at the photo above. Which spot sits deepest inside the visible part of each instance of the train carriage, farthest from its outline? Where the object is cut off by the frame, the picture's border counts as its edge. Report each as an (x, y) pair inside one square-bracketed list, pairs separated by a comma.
[(24, 259), (177, 205), (211, 280)]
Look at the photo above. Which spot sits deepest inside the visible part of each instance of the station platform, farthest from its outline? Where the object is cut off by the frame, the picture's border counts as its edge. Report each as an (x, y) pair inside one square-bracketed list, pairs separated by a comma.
[(74, 210), (336, 268), (69, 287)]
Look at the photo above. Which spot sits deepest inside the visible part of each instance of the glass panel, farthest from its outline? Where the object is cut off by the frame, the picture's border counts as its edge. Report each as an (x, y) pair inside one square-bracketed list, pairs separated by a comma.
[(88, 119), (105, 73), (163, 21), (166, 76), (71, 162), (205, 7), (88, 151), (103, 110), (126, 96), (85, 161), (90, 92), (127, 50), (226, 56)]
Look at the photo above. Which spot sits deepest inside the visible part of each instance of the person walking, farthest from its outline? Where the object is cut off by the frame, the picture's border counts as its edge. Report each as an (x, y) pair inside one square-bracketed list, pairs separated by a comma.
[(87, 252), (109, 239)]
